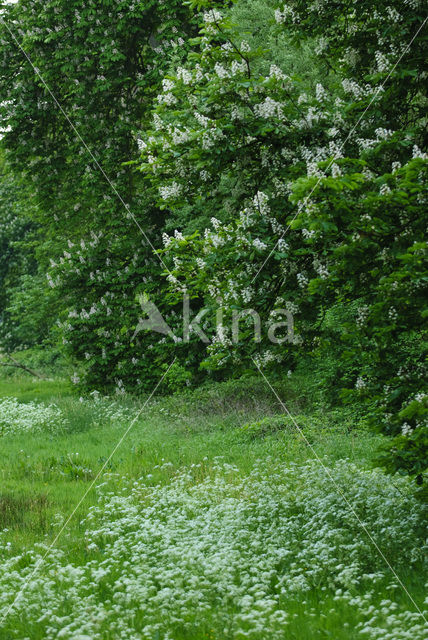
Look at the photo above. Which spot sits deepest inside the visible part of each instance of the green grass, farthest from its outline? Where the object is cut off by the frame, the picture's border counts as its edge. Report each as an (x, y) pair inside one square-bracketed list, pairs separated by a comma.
[(44, 476), (47, 474), (29, 388)]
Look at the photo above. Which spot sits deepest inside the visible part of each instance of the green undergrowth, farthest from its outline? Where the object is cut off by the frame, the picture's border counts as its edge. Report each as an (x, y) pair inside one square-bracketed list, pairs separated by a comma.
[(46, 473), (169, 446)]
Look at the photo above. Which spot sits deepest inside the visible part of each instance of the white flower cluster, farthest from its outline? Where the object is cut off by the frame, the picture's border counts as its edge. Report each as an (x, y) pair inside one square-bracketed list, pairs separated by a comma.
[(267, 357), (167, 98), (290, 306), (320, 92), (321, 269), (302, 280), (29, 417), (108, 410), (212, 16), (231, 551), (221, 336), (282, 245), (382, 62), (421, 397), (260, 202), (247, 294), (259, 245), (362, 316), (360, 384), (276, 72), (166, 239), (417, 153), (184, 75), (393, 314), (357, 91), (269, 108), (406, 429), (170, 191), (287, 14), (221, 71), (351, 57), (308, 235)]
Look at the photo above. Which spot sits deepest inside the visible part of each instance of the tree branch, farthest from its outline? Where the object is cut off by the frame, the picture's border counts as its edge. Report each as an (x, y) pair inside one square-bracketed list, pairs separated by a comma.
[(19, 365)]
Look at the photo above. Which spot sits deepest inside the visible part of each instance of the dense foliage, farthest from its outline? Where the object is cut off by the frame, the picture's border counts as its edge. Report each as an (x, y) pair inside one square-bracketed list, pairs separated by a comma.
[(283, 159), (69, 114), (19, 276)]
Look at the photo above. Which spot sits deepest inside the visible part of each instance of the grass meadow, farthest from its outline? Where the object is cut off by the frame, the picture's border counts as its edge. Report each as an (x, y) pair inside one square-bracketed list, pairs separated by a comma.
[(213, 519)]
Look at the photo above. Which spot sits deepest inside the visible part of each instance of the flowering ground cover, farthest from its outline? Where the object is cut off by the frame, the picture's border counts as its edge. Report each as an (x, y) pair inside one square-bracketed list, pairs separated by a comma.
[(213, 520)]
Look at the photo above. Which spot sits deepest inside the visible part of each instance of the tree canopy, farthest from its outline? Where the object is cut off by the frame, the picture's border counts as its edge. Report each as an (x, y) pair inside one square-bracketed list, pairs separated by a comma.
[(248, 155)]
